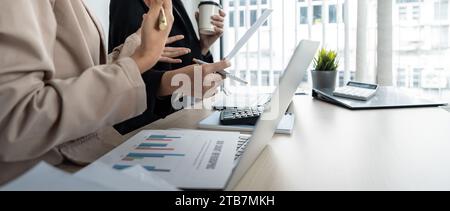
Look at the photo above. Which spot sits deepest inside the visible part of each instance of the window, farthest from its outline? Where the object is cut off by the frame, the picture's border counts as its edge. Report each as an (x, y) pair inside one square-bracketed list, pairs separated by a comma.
[(417, 77), (253, 17), (317, 13), (231, 18), (420, 41), (241, 19), (265, 78), (332, 14), (303, 15), (267, 22), (276, 77), (254, 78), (401, 77)]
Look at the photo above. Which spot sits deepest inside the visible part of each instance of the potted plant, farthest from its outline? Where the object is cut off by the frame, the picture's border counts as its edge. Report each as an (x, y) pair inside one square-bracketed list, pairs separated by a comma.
[(324, 74)]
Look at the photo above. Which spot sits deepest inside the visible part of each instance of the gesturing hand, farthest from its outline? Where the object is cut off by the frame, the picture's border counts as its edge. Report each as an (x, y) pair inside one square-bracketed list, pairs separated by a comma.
[(208, 78), (153, 40), (170, 54)]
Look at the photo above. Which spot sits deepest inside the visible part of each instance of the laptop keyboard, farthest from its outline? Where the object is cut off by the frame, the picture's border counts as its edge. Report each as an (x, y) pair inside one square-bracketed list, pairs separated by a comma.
[(234, 102), (242, 146)]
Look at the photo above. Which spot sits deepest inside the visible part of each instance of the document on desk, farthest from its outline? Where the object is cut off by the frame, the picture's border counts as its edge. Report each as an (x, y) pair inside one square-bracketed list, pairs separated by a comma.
[(131, 179), (98, 177), (44, 177), (186, 159)]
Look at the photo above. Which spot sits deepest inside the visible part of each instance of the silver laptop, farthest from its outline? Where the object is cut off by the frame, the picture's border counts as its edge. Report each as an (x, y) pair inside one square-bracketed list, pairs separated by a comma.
[(250, 146), (249, 151)]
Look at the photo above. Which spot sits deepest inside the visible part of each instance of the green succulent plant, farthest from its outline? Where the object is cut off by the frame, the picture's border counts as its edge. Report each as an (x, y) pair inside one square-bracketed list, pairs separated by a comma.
[(326, 60)]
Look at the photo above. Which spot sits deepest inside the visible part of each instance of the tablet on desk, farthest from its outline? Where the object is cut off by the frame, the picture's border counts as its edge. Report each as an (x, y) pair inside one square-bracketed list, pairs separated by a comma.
[(386, 97)]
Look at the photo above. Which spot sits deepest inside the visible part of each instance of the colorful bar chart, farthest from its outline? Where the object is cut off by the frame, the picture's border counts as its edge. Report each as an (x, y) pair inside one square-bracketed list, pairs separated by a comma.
[(162, 138), (141, 156), (154, 147), (154, 152), (148, 168)]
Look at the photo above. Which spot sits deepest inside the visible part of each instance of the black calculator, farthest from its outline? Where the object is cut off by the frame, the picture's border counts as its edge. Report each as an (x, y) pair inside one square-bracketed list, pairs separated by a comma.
[(241, 116)]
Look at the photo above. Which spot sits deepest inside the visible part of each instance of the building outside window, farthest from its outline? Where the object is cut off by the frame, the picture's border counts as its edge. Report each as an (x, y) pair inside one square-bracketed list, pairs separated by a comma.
[(421, 46)]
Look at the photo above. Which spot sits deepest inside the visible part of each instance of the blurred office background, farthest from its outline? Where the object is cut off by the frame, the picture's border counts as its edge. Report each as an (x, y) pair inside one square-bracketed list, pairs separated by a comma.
[(401, 43)]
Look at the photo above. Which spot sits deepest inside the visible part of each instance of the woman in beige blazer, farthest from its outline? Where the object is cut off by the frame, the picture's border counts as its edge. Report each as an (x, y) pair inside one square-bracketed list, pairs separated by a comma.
[(59, 91)]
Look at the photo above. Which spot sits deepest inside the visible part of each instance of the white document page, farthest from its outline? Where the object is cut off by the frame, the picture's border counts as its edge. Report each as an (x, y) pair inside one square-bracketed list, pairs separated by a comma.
[(44, 177), (133, 179), (185, 159), (241, 43), (97, 177)]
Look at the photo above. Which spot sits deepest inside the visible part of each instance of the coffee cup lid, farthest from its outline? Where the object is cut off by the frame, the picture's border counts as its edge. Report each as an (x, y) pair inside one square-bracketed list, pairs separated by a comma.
[(210, 3)]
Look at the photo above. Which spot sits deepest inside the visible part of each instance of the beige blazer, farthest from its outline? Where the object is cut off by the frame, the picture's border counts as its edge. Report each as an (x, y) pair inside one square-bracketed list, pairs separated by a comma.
[(59, 91)]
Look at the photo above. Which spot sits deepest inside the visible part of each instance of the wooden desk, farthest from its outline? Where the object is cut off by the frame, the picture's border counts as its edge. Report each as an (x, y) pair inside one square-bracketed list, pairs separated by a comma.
[(333, 148)]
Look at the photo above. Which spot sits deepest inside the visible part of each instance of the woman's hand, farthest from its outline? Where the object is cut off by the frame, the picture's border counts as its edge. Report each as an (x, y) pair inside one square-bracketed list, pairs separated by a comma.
[(206, 41), (170, 54), (210, 80), (153, 40)]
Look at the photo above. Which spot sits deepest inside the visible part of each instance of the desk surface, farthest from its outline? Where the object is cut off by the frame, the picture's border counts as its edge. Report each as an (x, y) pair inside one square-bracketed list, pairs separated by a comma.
[(333, 148)]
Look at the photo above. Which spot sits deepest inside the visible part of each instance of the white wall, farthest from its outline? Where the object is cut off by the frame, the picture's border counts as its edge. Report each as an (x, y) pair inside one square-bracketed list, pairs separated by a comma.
[(101, 11)]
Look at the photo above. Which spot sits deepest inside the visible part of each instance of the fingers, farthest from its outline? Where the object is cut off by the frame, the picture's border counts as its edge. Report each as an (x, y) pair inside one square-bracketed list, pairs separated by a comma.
[(148, 3), (173, 39), (214, 67), (218, 24), (144, 20), (218, 31), (155, 7), (222, 13), (211, 83), (167, 5), (175, 52), (218, 18), (170, 60), (177, 49)]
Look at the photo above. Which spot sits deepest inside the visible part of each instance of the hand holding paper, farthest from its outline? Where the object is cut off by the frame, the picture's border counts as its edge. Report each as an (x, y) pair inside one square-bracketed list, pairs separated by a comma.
[(241, 44), (249, 34)]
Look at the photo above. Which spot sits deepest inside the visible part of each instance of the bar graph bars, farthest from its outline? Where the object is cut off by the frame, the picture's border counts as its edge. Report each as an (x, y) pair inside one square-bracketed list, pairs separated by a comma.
[(141, 156), (148, 168), (154, 147), (163, 138)]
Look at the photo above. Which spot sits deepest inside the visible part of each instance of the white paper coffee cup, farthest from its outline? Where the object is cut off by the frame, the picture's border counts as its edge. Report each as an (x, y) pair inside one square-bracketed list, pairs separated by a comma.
[(207, 9)]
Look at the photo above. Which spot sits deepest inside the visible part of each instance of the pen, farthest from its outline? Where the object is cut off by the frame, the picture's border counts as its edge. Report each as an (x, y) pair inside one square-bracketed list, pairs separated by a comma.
[(162, 20), (223, 72)]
